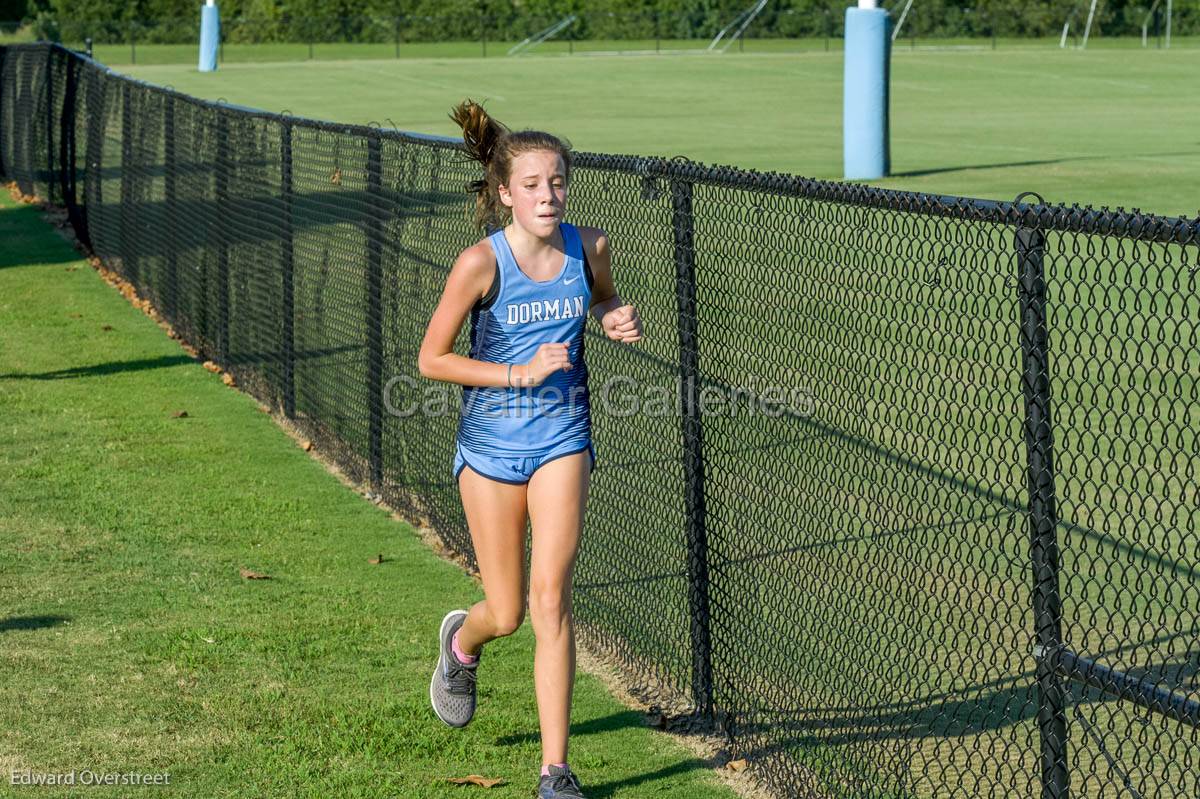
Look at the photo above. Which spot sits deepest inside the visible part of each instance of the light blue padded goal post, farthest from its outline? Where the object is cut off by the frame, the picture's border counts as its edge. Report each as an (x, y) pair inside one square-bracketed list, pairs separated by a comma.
[(865, 147), (210, 36)]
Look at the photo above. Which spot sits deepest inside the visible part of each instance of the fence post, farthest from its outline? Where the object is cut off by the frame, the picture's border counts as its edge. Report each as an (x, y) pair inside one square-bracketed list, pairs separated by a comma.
[(68, 146), (50, 53), (24, 159), (169, 169), (1043, 513), (374, 300), (128, 250), (3, 128), (224, 219), (693, 445), (287, 260), (97, 117)]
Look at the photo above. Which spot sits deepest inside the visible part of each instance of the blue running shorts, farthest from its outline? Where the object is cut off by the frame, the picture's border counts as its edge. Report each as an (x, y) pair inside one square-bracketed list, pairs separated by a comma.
[(514, 470)]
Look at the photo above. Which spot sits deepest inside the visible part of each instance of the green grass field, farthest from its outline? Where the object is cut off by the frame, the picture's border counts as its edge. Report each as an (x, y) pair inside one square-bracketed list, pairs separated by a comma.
[(915, 646), (130, 642), (1104, 126)]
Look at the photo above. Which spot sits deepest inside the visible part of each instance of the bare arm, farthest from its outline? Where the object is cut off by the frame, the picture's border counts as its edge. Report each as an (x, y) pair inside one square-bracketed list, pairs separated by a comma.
[(469, 280), (624, 325), (604, 293)]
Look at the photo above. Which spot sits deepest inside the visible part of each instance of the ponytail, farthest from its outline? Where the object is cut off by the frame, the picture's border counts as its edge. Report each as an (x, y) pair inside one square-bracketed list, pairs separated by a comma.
[(494, 146)]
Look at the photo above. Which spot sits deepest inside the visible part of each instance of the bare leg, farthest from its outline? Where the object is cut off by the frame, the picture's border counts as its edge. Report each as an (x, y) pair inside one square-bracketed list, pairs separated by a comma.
[(496, 516), (557, 499)]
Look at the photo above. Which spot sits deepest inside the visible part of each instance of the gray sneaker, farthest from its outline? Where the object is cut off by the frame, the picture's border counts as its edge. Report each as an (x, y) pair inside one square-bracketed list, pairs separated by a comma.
[(560, 784), (452, 689)]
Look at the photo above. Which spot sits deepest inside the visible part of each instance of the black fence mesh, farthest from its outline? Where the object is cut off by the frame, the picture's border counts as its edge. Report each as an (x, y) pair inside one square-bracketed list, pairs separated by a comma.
[(899, 492)]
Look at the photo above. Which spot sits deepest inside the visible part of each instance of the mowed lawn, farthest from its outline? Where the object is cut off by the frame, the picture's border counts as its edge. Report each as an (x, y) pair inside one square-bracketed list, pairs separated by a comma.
[(129, 639), (1105, 126)]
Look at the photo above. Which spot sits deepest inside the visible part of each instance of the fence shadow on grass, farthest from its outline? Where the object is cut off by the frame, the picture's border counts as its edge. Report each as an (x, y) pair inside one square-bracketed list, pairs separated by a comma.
[(101, 369), (31, 622)]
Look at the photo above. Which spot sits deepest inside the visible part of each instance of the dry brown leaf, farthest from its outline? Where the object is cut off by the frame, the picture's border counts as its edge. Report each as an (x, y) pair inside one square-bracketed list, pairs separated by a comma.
[(306, 445), (179, 415), (376, 561), (475, 779), (227, 379), (253, 575), (106, 327), (212, 367), (737, 765), (336, 177)]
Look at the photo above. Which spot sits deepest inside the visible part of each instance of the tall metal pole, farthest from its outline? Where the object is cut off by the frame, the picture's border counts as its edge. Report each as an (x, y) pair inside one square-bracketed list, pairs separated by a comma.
[(374, 308), (1043, 513), (693, 447), (287, 259)]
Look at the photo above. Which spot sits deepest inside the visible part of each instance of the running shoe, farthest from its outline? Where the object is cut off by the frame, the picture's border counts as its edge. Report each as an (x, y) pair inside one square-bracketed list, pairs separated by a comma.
[(452, 689), (561, 783)]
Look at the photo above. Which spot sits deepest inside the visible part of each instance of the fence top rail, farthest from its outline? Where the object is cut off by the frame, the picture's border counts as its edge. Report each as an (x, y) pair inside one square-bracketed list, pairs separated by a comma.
[(1118, 222)]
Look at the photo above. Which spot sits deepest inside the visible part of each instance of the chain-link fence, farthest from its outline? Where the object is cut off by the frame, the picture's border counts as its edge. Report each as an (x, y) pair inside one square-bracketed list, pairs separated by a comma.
[(899, 493)]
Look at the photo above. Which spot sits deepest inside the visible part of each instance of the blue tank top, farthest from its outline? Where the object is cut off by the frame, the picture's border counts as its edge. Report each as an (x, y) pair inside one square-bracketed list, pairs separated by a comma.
[(518, 315)]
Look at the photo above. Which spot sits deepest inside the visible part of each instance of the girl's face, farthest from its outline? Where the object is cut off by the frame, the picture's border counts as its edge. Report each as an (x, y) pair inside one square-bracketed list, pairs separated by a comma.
[(536, 191)]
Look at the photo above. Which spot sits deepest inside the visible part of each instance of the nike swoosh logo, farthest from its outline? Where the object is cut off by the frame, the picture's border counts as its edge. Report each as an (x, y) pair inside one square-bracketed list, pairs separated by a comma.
[(569, 282)]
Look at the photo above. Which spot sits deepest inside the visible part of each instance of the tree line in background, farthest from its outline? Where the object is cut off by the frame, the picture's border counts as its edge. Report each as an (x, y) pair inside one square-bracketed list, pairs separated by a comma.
[(449, 20)]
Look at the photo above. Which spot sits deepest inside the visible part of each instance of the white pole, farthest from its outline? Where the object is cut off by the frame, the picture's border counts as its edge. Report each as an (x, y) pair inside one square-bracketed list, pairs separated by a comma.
[(1168, 24), (745, 24), (1088, 29), (1149, 18), (900, 22)]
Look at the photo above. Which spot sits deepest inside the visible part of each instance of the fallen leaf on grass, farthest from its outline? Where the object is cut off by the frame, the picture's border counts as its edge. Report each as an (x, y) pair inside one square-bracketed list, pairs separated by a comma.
[(306, 445), (106, 327), (179, 415), (253, 575), (227, 379), (737, 765), (475, 779), (376, 561), (212, 367)]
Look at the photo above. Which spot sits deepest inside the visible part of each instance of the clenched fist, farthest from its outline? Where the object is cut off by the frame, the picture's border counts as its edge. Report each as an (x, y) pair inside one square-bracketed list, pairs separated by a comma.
[(549, 358), (623, 324)]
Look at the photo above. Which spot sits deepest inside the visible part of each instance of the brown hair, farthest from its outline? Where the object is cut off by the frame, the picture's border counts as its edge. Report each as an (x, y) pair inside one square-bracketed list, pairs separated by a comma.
[(495, 146)]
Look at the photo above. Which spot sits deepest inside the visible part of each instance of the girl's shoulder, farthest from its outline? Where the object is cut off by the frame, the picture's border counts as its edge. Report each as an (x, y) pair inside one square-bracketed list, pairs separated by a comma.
[(595, 240), (480, 270), (479, 256)]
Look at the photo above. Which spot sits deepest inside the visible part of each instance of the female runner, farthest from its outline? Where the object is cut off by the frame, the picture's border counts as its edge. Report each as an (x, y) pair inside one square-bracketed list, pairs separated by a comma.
[(524, 447)]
